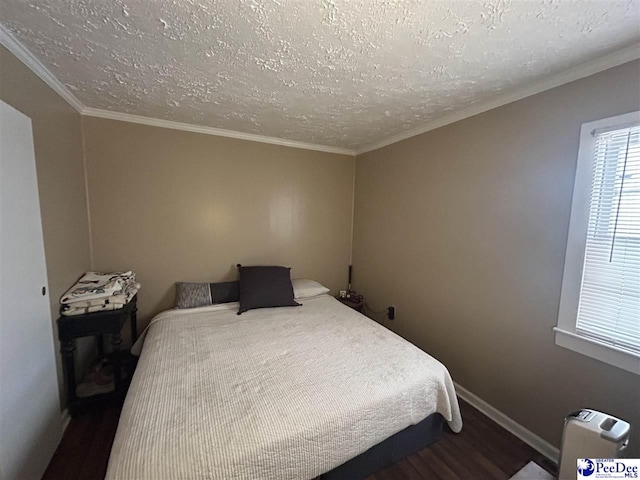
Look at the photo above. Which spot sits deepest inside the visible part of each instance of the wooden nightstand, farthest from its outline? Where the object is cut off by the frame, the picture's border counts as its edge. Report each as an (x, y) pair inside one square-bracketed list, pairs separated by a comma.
[(356, 303), (95, 324)]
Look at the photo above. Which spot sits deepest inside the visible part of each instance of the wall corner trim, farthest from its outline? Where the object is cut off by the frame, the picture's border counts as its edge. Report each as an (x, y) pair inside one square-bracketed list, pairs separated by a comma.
[(583, 70), (524, 434), (26, 57), (87, 199)]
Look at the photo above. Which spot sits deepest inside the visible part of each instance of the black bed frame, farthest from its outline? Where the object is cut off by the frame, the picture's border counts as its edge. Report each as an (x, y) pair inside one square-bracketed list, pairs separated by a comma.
[(389, 451)]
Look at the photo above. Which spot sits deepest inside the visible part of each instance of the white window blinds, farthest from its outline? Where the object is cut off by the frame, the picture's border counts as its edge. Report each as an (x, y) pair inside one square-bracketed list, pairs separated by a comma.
[(609, 305)]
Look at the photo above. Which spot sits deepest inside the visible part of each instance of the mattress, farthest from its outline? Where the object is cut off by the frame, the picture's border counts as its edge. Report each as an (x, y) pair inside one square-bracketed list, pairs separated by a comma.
[(286, 393)]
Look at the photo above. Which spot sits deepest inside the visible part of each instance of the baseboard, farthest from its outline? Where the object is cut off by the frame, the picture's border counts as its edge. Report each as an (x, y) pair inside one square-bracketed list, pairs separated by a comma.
[(66, 418), (527, 436)]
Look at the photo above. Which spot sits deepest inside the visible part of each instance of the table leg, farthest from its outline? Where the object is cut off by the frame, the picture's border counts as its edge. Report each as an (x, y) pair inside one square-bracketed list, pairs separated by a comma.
[(134, 324), (100, 342), (116, 339), (67, 348)]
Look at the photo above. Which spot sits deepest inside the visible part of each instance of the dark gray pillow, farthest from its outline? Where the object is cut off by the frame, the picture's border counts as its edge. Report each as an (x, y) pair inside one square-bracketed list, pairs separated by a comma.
[(225, 292), (192, 295), (263, 287)]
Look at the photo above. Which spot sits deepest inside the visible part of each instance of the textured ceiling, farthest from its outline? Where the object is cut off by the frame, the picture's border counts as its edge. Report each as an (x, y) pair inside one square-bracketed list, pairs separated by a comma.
[(332, 72)]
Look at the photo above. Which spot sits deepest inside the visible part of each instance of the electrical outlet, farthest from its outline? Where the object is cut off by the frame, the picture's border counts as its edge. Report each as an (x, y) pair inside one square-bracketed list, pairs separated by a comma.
[(391, 312)]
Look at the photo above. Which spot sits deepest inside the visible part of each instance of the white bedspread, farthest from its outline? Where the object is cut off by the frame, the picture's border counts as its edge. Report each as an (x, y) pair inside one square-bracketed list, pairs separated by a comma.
[(283, 393)]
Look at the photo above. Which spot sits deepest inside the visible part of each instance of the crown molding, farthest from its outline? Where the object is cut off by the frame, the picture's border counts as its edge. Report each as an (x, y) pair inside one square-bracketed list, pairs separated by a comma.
[(188, 127), (26, 57), (592, 67)]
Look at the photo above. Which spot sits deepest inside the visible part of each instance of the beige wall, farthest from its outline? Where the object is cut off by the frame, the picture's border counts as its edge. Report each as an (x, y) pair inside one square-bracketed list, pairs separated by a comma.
[(180, 206), (464, 229), (58, 149)]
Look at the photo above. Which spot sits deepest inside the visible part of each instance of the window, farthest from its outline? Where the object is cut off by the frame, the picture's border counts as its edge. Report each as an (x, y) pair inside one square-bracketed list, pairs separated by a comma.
[(599, 311)]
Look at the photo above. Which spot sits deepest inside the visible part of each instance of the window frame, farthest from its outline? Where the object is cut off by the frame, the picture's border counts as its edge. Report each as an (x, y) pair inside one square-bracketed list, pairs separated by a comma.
[(565, 331)]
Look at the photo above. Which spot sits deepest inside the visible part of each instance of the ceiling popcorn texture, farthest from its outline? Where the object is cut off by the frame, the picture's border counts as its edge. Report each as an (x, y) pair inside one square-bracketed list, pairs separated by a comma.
[(339, 73)]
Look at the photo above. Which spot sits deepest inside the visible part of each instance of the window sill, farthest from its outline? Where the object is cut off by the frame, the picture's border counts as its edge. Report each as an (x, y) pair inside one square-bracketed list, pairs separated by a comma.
[(600, 351)]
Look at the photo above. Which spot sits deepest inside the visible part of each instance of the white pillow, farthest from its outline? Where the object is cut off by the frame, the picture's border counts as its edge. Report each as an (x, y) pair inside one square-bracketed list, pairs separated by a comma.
[(307, 288)]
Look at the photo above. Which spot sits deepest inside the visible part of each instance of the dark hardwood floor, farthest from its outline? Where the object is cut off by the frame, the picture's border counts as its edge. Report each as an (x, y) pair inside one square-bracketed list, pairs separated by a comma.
[(483, 450), (86, 444)]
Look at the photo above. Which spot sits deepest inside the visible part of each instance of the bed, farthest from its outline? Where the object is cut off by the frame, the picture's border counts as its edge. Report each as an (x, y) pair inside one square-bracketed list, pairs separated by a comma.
[(286, 393)]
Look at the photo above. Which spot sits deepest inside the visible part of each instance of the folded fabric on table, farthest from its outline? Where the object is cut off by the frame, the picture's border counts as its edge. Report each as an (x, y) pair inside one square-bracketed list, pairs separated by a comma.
[(119, 298), (94, 285), (69, 311), (98, 292)]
